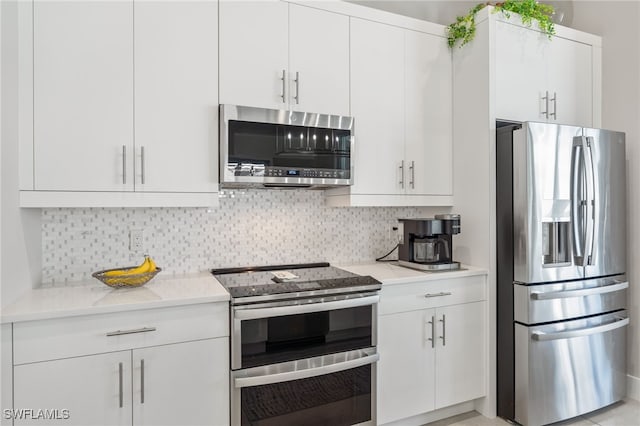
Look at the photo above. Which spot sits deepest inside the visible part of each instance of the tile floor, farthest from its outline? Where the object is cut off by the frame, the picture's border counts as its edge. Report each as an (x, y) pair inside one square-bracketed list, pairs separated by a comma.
[(625, 413)]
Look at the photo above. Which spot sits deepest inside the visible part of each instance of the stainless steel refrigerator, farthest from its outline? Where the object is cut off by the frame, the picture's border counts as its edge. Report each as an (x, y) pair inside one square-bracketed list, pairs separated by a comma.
[(562, 288)]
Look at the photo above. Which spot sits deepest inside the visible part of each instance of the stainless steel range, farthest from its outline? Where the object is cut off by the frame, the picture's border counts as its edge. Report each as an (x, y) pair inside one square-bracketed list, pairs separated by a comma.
[(303, 345)]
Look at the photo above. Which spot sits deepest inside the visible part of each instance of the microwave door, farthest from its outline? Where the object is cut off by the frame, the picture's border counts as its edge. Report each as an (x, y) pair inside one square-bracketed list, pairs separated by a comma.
[(606, 251)]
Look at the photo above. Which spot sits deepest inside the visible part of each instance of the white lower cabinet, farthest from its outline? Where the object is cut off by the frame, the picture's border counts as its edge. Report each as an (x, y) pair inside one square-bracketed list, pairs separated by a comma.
[(147, 377), (434, 357)]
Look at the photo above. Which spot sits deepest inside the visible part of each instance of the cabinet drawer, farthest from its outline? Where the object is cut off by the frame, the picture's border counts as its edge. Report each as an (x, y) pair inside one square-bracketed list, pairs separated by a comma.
[(91, 334), (432, 294)]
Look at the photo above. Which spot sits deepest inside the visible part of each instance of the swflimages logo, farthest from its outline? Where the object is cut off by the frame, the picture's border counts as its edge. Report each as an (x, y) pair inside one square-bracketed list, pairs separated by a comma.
[(36, 413)]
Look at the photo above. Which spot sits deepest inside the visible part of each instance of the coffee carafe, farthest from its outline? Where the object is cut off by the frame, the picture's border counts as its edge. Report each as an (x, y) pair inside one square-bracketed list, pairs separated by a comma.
[(427, 243)]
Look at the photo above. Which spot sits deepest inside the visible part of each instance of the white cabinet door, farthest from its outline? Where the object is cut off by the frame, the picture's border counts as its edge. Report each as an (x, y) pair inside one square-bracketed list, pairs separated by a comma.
[(377, 104), (521, 73), (460, 359), (570, 78), (176, 96), (405, 370), (83, 95), (319, 60), (95, 389), (182, 384), (428, 115), (253, 53)]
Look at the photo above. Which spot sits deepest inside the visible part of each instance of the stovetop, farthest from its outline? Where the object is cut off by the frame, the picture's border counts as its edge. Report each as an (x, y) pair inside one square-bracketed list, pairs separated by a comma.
[(253, 284)]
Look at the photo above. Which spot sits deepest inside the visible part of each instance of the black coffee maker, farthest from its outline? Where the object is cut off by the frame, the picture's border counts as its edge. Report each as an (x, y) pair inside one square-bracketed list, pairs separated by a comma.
[(427, 243)]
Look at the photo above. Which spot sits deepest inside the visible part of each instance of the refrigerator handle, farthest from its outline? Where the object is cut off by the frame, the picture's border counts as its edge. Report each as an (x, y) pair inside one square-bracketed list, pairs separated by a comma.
[(541, 336), (577, 202), (591, 199)]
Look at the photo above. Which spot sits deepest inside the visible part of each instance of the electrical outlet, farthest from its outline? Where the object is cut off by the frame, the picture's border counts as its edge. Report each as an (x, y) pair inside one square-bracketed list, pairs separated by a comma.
[(396, 232), (136, 240)]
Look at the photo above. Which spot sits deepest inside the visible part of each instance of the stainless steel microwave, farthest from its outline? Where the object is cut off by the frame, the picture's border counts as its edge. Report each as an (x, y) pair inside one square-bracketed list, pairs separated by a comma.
[(264, 148)]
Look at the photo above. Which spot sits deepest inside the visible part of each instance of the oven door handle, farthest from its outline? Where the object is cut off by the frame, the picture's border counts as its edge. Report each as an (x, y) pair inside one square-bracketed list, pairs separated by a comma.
[(243, 382), (279, 311)]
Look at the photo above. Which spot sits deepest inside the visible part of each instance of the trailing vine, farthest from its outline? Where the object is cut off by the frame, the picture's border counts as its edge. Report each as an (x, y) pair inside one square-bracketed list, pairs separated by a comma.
[(464, 29)]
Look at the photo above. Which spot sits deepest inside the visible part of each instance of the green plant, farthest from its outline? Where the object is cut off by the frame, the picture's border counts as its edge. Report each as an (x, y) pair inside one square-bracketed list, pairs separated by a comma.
[(464, 29)]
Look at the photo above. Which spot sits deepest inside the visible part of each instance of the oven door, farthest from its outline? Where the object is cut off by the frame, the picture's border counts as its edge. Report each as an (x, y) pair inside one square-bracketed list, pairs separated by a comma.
[(337, 389), (276, 332)]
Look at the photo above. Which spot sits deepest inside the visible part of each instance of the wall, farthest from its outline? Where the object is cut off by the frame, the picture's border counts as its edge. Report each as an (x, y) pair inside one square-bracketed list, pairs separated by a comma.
[(258, 227), (617, 23), (441, 12)]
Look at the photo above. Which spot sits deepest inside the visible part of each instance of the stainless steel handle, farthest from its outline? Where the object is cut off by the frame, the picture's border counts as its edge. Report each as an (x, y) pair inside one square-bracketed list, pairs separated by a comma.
[(442, 293), (546, 104), (243, 382), (433, 331), (541, 336), (120, 384), (412, 181), (142, 381), (297, 81), (578, 202), (124, 164), (555, 106), (247, 314), (444, 331), (591, 198), (402, 174), (142, 178), (284, 82), (137, 330), (616, 286)]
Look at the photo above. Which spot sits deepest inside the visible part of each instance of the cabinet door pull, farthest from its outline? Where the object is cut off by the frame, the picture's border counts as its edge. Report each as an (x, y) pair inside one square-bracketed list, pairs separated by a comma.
[(546, 104), (284, 81), (142, 381), (413, 175), (433, 331), (142, 164), (137, 330), (121, 396), (297, 81), (555, 106), (444, 326), (442, 293), (124, 164), (402, 174)]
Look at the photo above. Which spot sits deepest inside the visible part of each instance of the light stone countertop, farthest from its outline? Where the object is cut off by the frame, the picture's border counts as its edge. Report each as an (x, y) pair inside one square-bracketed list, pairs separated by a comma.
[(92, 297), (390, 273)]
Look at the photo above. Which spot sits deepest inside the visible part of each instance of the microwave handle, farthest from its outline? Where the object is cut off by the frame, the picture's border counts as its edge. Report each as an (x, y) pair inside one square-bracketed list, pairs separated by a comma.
[(256, 313), (243, 382)]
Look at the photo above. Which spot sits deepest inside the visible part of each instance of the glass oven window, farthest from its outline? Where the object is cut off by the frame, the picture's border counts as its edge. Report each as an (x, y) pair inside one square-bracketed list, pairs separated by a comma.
[(336, 399), (290, 337)]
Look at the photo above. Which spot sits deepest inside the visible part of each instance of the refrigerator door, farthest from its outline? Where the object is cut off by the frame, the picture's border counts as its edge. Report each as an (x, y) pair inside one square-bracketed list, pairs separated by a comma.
[(544, 161), (534, 304), (569, 368), (606, 253)]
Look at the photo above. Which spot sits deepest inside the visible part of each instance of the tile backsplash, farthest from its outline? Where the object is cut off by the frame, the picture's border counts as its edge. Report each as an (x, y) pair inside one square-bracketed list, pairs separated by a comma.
[(256, 227)]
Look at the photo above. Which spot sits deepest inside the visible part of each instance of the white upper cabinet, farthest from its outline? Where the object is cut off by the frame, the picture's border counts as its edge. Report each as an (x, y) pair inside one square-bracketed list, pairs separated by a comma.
[(253, 53), (284, 56), (377, 104), (401, 100), (176, 96), (83, 96), (125, 101), (542, 79), (318, 61), (428, 115)]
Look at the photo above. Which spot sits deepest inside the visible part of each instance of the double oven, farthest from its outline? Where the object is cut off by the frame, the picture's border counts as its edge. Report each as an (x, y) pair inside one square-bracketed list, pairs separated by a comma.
[(303, 350)]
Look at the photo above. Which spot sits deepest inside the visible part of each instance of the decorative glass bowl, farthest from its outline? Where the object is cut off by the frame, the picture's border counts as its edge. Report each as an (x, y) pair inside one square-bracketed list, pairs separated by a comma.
[(119, 281)]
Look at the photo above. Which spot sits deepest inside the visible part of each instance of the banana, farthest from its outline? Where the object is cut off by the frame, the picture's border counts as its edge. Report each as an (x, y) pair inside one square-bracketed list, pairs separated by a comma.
[(152, 264), (142, 268)]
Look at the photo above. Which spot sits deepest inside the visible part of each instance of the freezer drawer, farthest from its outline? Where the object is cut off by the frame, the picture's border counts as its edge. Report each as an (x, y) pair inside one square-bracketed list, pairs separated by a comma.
[(535, 304), (566, 369)]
